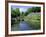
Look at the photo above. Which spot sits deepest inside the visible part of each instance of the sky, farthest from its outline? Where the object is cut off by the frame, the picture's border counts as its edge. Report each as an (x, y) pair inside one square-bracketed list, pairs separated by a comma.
[(21, 8)]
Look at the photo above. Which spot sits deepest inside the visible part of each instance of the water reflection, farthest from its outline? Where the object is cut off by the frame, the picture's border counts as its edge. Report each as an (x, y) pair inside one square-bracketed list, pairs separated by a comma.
[(21, 26)]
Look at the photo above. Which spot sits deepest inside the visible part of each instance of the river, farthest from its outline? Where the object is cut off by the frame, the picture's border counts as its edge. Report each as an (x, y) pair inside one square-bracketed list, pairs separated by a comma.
[(21, 26)]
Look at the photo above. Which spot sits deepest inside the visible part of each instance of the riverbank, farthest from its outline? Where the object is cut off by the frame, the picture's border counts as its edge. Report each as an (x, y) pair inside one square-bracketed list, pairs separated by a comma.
[(29, 22), (34, 20)]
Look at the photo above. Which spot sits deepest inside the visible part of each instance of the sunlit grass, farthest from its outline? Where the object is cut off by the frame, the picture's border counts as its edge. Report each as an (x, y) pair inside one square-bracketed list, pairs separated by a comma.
[(33, 20)]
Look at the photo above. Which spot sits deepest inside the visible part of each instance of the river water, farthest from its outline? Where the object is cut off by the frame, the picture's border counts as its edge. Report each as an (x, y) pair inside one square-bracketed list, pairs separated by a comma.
[(21, 26)]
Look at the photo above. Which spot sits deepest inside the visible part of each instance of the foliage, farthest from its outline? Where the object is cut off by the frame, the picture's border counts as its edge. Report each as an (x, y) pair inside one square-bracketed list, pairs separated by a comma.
[(33, 20), (15, 12), (34, 9)]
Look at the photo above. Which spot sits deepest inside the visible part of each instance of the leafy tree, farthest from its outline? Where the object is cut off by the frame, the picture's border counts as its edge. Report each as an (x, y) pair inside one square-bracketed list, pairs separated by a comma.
[(29, 10), (15, 12), (34, 9)]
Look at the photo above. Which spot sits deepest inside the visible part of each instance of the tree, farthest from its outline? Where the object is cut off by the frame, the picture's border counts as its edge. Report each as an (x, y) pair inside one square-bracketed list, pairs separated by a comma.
[(12, 12), (15, 12), (36, 9), (29, 10), (26, 13)]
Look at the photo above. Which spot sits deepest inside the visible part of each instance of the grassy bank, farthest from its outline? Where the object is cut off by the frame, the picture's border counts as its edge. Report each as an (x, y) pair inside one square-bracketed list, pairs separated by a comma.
[(33, 20)]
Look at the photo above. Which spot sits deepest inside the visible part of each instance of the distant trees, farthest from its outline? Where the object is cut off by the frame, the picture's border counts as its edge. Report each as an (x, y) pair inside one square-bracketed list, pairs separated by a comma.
[(26, 13), (34, 9), (16, 12), (29, 10)]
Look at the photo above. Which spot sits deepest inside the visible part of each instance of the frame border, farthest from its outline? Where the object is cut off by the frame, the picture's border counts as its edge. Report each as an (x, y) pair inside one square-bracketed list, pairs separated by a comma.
[(6, 18)]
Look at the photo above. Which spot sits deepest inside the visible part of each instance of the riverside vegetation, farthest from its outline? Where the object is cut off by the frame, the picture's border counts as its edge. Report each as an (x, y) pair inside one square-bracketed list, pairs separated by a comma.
[(31, 16)]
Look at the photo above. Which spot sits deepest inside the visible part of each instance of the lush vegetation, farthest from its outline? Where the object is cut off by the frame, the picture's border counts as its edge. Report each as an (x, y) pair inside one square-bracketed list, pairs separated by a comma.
[(31, 16), (33, 20)]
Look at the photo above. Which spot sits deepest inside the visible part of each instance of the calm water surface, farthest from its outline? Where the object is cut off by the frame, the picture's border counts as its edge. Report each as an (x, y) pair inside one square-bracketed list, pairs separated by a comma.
[(21, 26)]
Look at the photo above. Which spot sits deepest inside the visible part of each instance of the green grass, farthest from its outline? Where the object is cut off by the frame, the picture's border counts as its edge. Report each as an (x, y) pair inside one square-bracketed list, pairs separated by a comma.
[(33, 20)]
